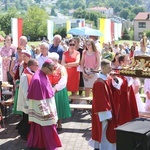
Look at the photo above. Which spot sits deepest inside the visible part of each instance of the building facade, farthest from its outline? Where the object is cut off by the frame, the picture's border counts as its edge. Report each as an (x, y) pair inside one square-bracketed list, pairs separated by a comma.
[(141, 24)]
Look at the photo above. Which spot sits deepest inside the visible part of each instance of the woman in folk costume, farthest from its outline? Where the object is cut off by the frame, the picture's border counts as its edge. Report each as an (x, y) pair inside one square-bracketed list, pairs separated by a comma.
[(42, 110), (26, 55), (59, 80)]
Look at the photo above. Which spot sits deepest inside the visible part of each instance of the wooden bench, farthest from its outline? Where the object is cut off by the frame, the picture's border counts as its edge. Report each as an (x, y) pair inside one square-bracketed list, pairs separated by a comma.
[(5, 105), (78, 97), (81, 106), (7, 92), (86, 107)]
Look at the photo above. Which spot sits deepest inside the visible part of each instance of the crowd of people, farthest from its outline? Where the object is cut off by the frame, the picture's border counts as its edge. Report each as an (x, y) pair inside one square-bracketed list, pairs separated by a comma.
[(42, 77)]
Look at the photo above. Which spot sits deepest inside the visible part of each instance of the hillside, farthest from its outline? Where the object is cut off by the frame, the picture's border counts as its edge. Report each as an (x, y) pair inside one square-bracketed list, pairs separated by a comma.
[(23, 5), (127, 9)]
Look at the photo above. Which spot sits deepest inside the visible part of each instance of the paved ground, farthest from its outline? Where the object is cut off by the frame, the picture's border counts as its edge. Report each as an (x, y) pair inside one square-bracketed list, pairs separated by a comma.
[(74, 136)]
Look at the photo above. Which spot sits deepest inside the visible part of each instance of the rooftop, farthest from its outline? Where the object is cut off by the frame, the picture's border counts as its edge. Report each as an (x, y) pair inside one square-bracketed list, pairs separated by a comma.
[(99, 8), (142, 16)]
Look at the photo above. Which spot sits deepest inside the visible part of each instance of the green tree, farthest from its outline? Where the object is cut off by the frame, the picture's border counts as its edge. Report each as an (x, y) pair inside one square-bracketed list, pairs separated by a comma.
[(65, 5), (61, 31), (2, 33), (125, 35), (131, 33), (126, 4), (112, 4), (137, 9), (53, 13), (147, 33), (131, 16), (5, 20), (124, 13), (35, 26), (79, 4), (79, 13), (37, 1), (117, 9), (88, 15)]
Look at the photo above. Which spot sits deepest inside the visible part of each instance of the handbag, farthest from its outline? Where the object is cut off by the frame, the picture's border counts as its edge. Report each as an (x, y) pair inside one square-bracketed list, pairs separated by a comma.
[(9, 77)]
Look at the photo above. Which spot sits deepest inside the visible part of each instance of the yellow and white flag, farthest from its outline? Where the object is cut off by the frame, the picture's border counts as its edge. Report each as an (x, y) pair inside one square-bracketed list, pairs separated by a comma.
[(68, 27)]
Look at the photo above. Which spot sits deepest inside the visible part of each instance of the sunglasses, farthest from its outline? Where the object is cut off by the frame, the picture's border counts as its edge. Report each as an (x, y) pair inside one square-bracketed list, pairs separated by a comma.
[(71, 44)]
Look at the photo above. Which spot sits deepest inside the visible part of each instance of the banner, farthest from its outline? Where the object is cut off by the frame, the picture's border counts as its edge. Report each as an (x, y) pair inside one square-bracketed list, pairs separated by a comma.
[(81, 23), (16, 30), (68, 27), (112, 31), (119, 30), (107, 33), (116, 37), (102, 29), (50, 30)]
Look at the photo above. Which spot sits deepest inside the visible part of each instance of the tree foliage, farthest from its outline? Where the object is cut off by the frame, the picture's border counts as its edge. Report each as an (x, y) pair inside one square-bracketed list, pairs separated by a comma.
[(88, 15), (125, 35), (5, 20), (124, 13), (35, 17), (61, 31), (53, 13), (35, 26), (147, 33), (137, 9)]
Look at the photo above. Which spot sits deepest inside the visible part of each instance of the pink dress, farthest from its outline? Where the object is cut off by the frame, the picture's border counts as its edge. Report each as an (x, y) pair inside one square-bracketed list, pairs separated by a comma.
[(90, 63), (6, 52)]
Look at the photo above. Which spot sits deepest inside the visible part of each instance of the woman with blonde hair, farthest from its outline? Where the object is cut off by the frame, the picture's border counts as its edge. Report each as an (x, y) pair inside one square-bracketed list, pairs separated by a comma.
[(90, 62)]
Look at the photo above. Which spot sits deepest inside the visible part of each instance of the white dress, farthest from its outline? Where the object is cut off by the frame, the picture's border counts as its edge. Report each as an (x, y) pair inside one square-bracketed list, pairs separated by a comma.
[(140, 104)]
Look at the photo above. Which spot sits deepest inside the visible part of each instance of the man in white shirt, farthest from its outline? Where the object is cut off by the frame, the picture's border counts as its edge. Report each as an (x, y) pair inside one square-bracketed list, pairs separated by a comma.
[(44, 47), (143, 50)]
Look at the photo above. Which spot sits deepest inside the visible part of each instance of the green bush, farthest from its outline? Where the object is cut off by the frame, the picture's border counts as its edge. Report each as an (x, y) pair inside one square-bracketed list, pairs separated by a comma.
[(125, 35)]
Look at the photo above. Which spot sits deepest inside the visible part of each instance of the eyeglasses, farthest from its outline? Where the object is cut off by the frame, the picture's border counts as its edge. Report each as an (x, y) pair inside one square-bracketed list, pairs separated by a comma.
[(71, 44)]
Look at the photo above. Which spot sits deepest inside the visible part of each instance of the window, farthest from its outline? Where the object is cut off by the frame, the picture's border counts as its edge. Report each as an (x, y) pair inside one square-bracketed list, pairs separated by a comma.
[(142, 24), (140, 35)]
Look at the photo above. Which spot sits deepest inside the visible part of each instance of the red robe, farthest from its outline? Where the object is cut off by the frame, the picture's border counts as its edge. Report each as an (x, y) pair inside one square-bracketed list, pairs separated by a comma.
[(103, 101), (125, 103)]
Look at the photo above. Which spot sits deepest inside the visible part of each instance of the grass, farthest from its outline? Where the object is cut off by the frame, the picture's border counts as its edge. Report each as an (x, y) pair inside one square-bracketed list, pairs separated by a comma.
[(36, 43), (126, 41)]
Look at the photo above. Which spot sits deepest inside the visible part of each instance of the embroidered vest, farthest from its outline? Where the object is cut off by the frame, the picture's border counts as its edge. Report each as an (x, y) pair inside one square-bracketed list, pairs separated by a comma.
[(55, 77)]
